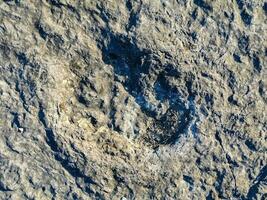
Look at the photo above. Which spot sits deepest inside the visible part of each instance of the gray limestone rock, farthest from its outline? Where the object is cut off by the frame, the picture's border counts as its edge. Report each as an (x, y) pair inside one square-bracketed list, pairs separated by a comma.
[(133, 99)]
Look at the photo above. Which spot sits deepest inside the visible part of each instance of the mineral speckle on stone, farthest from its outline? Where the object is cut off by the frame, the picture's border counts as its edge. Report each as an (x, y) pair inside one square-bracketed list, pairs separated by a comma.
[(133, 99)]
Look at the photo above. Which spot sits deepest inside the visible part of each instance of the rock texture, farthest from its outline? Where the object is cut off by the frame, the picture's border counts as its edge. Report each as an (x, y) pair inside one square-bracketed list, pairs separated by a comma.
[(133, 99)]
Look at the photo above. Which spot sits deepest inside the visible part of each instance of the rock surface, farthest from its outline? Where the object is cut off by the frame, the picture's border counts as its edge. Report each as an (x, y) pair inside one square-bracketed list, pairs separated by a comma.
[(133, 99)]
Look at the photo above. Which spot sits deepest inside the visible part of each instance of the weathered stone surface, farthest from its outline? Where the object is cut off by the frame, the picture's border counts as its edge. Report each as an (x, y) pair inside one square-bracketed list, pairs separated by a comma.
[(133, 99)]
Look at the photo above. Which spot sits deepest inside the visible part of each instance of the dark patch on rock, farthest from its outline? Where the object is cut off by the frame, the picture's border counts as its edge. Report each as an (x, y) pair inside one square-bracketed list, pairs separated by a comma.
[(17, 2), (189, 180), (254, 189), (194, 14), (134, 15), (209, 100), (56, 3), (232, 100), (203, 5), (256, 63), (219, 183), (133, 63), (15, 122), (264, 7), (42, 30), (246, 17), (210, 196), (232, 162), (23, 60), (232, 83), (240, 4), (243, 44), (263, 91), (237, 58), (250, 145)]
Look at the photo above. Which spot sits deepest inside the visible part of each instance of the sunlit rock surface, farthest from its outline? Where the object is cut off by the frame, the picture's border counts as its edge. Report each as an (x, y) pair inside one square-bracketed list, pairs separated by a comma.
[(133, 99)]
